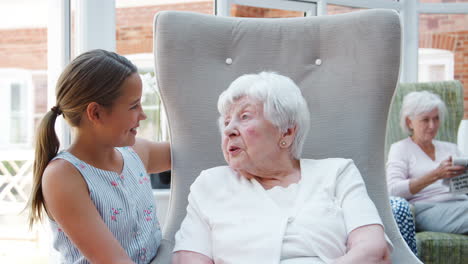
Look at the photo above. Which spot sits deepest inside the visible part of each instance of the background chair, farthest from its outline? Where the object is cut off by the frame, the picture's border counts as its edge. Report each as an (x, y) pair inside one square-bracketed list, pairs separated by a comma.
[(346, 65), (433, 247)]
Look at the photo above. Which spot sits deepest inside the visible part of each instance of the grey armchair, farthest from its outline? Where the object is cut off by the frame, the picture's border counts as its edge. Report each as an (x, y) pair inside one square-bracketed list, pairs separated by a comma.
[(346, 65)]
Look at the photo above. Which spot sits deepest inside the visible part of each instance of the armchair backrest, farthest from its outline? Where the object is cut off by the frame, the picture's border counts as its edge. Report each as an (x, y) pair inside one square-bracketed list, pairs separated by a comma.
[(346, 66), (451, 92)]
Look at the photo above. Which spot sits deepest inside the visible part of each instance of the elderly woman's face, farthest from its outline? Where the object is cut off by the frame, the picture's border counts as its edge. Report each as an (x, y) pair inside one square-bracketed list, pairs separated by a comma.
[(249, 141), (425, 126)]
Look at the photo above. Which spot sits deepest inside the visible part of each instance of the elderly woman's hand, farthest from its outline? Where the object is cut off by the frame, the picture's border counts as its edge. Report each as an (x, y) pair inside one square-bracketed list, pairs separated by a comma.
[(366, 244), (185, 256)]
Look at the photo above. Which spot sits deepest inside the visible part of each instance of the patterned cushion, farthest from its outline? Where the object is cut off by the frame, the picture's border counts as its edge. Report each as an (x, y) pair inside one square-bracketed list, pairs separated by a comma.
[(440, 248), (405, 221)]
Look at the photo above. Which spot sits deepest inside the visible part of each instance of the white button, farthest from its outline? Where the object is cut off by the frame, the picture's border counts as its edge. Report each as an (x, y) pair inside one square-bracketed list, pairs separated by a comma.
[(318, 62), (229, 61)]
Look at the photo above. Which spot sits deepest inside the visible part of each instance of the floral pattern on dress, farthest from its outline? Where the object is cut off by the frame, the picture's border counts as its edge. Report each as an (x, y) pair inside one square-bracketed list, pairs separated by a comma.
[(143, 254), (143, 178), (148, 213), (115, 213)]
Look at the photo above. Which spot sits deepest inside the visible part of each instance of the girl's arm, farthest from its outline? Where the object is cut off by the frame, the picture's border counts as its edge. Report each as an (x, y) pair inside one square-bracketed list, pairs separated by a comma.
[(366, 244), (68, 202), (156, 156)]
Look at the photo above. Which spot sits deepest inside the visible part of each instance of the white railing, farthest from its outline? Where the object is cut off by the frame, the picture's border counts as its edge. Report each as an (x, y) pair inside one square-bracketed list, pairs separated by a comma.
[(16, 239), (16, 168)]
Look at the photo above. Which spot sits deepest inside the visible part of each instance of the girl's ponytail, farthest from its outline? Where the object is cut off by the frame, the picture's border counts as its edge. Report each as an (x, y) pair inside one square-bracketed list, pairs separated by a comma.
[(46, 147)]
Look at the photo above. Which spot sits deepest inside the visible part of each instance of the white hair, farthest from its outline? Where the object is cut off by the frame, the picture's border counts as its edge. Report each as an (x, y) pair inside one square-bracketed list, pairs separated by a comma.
[(283, 104), (418, 103)]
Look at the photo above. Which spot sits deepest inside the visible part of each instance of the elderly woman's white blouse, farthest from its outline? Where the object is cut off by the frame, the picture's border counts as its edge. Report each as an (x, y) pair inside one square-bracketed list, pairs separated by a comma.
[(232, 219)]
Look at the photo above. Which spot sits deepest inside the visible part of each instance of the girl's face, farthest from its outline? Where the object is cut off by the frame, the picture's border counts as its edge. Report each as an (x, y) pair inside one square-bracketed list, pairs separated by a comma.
[(121, 121)]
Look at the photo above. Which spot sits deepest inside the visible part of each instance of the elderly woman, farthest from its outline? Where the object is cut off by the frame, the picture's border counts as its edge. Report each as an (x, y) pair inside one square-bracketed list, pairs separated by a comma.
[(418, 165), (269, 205)]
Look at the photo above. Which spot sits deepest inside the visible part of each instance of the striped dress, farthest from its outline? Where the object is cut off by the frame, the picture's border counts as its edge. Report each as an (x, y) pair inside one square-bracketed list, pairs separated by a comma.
[(125, 203)]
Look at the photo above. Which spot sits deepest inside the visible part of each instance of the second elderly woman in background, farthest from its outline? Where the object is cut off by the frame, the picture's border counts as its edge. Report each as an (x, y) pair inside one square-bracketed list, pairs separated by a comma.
[(418, 165), (269, 205)]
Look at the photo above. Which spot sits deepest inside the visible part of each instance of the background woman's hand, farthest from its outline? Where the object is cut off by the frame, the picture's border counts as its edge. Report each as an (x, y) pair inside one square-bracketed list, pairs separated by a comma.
[(447, 170)]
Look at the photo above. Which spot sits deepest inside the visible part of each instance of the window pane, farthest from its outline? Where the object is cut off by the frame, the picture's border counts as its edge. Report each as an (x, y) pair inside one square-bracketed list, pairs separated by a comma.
[(134, 21), (15, 93), (18, 116), (443, 43), (337, 9), (251, 11)]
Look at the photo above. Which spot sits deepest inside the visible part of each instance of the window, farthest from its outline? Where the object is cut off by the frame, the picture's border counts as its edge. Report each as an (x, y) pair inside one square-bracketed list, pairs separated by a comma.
[(16, 94), (23, 100), (18, 113), (435, 65), (443, 47), (250, 11)]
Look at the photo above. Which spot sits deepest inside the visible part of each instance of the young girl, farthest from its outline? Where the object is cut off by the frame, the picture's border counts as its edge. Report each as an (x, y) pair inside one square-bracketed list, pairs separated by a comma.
[(97, 193)]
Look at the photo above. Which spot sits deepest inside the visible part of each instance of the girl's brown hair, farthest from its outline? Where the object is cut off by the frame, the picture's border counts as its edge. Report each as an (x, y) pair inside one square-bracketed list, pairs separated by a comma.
[(94, 76)]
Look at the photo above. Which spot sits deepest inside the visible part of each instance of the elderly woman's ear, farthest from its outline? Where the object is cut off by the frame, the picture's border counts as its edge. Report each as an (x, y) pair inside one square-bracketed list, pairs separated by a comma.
[(287, 138), (408, 123)]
